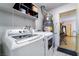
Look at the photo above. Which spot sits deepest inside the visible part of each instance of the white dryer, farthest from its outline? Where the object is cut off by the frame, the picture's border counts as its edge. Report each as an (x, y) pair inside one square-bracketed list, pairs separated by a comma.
[(48, 42)]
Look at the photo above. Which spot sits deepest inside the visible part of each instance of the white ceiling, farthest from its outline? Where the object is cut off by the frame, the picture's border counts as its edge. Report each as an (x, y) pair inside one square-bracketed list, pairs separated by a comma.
[(50, 6)]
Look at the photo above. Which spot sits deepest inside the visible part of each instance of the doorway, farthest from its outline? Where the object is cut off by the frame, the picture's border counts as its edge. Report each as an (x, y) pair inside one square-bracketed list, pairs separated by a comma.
[(67, 40), (68, 32)]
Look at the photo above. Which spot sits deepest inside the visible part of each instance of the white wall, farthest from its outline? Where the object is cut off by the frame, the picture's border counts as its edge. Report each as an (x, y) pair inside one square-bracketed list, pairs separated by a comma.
[(77, 23), (39, 21), (55, 12)]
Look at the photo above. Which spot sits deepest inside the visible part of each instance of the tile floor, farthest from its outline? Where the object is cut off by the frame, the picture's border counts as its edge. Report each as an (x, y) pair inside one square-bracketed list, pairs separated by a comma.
[(71, 43)]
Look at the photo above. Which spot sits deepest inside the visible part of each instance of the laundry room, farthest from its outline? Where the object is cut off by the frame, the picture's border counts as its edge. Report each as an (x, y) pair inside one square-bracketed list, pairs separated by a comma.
[(39, 29)]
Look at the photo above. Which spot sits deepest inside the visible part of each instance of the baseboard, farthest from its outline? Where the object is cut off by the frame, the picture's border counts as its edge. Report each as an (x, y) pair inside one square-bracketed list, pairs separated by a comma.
[(72, 53), (1, 50)]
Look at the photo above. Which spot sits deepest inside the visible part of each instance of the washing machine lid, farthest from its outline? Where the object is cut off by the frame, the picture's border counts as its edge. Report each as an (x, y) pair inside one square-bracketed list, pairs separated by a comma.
[(25, 38)]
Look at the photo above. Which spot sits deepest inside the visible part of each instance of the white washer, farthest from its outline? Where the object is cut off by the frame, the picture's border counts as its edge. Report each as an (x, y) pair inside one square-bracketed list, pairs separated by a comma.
[(48, 42), (33, 46)]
